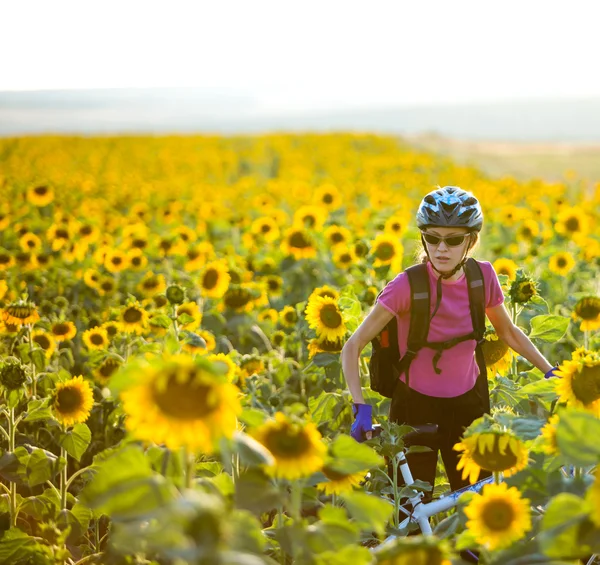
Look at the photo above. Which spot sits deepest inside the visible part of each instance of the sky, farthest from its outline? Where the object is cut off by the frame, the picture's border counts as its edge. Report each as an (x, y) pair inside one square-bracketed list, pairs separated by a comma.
[(307, 55)]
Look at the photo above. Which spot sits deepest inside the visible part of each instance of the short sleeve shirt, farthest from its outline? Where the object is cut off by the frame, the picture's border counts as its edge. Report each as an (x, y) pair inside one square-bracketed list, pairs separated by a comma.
[(453, 319)]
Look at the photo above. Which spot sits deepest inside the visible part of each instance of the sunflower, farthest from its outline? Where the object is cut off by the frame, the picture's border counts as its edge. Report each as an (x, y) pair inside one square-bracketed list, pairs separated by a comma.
[(311, 217), (6, 260), (396, 225), (593, 497), (325, 317), (197, 255), (337, 235), (13, 374), (269, 315), (344, 257), (116, 261), (95, 338), (91, 278), (339, 482), (232, 368), (30, 242), (414, 550), (209, 339), (20, 313), (499, 516), (58, 235), (528, 230), (274, 284), (496, 353), (572, 222), (112, 328), (277, 338), (250, 365), (522, 289), (506, 267), (387, 250), (324, 290), (107, 286), (299, 243), (580, 382), (214, 279), (4, 218), (548, 435), (63, 330), (180, 401), (328, 195), (136, 260), (133, 319), (3, 288), (152, 284), (498, 452), (370, 295), (193, 310), (297, 448), (40, 195), (73, 401), (88, 233), (561, 263), (44, 340), (265, 228), (320, 345), (588, 311), (106, 369)]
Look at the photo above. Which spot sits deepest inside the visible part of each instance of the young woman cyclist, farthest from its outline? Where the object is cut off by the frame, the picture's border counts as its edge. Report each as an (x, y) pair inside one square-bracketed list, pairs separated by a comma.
[(450, 220)]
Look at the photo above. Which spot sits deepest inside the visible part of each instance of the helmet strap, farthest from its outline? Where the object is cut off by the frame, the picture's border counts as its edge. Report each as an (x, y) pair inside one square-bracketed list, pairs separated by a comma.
[(446, 274)]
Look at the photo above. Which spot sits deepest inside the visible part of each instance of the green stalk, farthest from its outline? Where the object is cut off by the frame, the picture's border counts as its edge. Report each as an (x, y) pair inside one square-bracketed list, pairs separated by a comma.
[(32, 364), (64, 483), (586, 339), (190, 467), (497, 479), (11, 448), (396, 493)]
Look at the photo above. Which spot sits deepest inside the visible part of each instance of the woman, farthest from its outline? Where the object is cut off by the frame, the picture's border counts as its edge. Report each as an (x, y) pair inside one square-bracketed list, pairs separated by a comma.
[(450, 220)]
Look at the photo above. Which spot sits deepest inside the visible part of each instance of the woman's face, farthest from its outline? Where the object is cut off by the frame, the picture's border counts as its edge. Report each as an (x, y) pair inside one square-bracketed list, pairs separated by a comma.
[(443, 255)]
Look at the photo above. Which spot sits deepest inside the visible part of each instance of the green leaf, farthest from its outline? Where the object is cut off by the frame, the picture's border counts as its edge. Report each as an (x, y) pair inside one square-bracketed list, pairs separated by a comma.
[(38, 410), (549, 328), (252, 417), (322, 407), (370, 512), (349, 456), (125, 487), (577, 436), (160, 321), (349, 554), (542, 387), (38, 357), (17, 547), (326, 359), (184, 319), (42, 466), (76, 440), (252, 453)]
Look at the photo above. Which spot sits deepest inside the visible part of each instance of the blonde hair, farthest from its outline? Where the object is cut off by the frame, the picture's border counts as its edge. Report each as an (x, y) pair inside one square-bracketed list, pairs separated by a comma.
[(421, 254)]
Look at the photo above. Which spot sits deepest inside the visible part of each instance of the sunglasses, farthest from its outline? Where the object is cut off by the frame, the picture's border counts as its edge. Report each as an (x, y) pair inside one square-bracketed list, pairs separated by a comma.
[(451, 240)]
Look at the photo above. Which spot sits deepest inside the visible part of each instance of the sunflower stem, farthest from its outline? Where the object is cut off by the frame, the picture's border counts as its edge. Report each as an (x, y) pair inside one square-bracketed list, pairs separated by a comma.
[(586, 339), (32, 364), (190, 467), (396, 493), (63, 479), (497, 477), (13, 485)]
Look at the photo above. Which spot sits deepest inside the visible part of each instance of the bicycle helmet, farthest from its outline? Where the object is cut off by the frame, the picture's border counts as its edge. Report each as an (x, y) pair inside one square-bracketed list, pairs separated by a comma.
[(450, 206)]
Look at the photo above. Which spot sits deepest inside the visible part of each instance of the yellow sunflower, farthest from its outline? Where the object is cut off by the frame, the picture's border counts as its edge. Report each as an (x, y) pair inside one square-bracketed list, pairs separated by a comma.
[(250, 365), (116, 261), (386, 249), (498, 452), (506, 267), (269, 315), (209, 339), (58, 236), (325, 290), (496, 353), (3, 288), (297, 447), (588, 311), (328, 195), (197, 255), (593, 498), (339, 482), (44, 340), (288, 317), (40, 195), (73, 401), (107, 286), (106, 369), (136, 260), (30, 242), (572, 222), (561, 263), (191, 309), (344, 257), (274, 285), (180, 401), (548, 435), (95, 338), (112, 328), (91, 278), (311, 217), (232, 368), (338, 235), (325, 317), (214, 279), (528, 230), (20, 313), (299, 243), (499, 516), (238, 298), (6, 260), (396, 225), (320, 345), (152, 284), (134, 319), (63, 330), (414, 550), (265, 228), (580, 382)]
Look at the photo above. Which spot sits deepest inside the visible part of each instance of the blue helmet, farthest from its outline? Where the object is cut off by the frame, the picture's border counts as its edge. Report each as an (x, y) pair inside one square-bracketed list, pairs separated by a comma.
[(450, 206)]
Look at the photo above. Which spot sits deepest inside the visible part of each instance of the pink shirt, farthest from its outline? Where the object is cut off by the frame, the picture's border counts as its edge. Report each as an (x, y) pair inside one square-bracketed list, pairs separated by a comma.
[(458, 364)]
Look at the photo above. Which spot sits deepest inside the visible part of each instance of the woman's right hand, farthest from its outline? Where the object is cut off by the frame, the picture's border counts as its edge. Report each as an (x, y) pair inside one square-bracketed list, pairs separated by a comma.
[(363, 422)]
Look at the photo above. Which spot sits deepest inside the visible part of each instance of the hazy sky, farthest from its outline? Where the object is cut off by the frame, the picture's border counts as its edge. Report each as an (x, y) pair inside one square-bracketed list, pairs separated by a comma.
[(309, 54)]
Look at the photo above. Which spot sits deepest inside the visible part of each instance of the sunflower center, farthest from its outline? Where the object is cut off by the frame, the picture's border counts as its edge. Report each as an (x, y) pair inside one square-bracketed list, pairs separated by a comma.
[(309, 221), (85, 230), (385, 251), (561, 262), (42, 341), (287, 442), (139, 243), (151, 283), (327, 198), (132, 315), (136, 261), (345, 258), (185, 400), (116, 260), (588, 309), (4, 259), (273, 284), (237, 298), (333, 475), (60, 329), (337, 237), (494, 350), (210, 279), (41, 190), (291, 316), (498, 515), (330, 346), (108, 367), (586, 384), (96, 339), (299, 240), (265, 228), (107, 286), (572, 224), (330, 316), (493, 459), (69, 400), (62, 234)]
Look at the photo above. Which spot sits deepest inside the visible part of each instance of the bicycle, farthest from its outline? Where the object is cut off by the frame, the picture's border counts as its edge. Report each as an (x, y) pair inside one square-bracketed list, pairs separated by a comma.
[(420, 512)]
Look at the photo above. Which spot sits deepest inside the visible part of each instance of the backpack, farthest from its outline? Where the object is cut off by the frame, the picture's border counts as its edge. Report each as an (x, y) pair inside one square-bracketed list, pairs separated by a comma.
[(385, 364)]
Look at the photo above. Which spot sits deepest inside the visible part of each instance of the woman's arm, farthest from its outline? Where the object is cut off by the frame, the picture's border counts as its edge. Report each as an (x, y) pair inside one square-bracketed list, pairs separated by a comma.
[(515, 338), (375, 321)]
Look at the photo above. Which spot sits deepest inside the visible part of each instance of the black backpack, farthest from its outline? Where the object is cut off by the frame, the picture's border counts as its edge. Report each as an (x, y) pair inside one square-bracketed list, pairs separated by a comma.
[(386, 366)]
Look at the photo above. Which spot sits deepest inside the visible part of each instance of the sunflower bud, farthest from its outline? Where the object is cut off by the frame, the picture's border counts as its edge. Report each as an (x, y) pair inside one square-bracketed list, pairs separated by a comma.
[(522, 289), (175, 294), (12, 374)]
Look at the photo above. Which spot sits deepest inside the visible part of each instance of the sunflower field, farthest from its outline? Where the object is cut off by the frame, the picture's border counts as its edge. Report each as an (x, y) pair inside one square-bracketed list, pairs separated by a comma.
[(172, 311)]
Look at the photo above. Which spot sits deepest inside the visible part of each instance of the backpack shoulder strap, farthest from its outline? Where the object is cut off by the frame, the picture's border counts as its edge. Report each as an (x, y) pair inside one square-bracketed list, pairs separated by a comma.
[(476, 287), (419, 306)]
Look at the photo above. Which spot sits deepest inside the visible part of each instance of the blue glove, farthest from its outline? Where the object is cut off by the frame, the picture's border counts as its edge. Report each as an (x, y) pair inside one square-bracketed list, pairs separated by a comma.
[(363, 421), (551, 373)]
